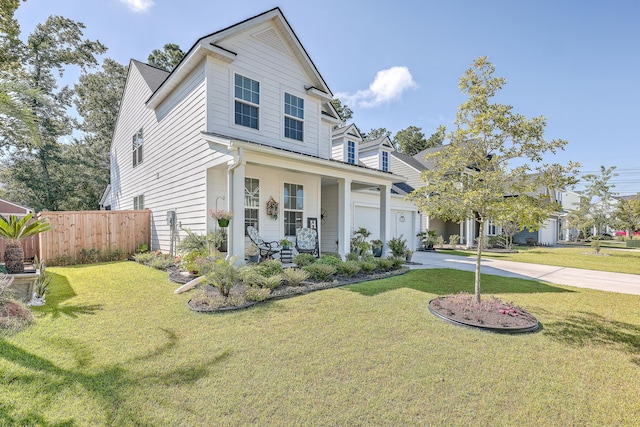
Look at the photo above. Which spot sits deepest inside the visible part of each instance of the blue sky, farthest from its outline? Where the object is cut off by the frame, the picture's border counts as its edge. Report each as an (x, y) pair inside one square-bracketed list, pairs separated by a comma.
[(397, 64)]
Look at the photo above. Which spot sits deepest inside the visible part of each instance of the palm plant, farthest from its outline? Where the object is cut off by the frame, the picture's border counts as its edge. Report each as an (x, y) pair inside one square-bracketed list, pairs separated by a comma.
[(14, 230)]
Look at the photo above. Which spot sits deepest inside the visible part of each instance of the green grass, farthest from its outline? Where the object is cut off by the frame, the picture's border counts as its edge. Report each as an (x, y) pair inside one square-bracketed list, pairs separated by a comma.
[(612, 260), (115, 346)]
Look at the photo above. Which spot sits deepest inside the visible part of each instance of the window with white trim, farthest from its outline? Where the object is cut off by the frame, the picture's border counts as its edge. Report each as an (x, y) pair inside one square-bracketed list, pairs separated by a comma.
[(293, 208), (251, 203), (492, 229), (137, 148), (385, 161), (293, 117), (138, 203), (351, 152), (247, 95)]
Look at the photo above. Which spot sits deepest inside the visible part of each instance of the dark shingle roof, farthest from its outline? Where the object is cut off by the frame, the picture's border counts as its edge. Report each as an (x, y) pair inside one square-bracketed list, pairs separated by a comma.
[(420, 156), (152, 76), (401, 188), (409, 160)]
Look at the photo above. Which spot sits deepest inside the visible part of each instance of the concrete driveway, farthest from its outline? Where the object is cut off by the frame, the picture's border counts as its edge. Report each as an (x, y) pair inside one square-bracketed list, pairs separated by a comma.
[(614, 282)]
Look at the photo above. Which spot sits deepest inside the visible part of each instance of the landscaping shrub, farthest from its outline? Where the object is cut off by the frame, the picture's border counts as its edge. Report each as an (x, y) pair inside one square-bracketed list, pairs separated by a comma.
[(224, 275), (115, 254), (454, 239), (331, 260), (88, 256), (203, 298), (162, 262), (270, 282), (349, 268), (398, 246), (270, 267), (319, 271), (368, 266), (385, 264), (304, 259), (352, 256), (62, 260), (256, 293), (295, 276), (144, 257), (397, 262)]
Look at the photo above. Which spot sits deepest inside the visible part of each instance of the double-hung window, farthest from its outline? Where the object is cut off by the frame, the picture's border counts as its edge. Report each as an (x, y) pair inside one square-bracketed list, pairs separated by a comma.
[(138, 203), (351, 152), (385, 161), (251, 203), (293, 117), (137, 148), (247, 101), (293, 208)]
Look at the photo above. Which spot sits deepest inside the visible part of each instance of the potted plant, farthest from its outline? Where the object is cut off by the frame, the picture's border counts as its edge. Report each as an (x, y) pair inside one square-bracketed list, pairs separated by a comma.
[(14, 230), (253, 253), (408, 254), (428, 238), (358, 244), (285, 243), (376, 247), (223, 217)]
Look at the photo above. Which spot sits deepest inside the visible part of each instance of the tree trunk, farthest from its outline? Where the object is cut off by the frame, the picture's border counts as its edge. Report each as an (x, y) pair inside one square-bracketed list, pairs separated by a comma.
[(481, 238), (14, 258)]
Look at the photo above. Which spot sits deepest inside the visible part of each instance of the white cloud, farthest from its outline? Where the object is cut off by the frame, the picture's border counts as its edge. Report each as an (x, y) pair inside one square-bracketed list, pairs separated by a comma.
[(389, 85), (138, 6)]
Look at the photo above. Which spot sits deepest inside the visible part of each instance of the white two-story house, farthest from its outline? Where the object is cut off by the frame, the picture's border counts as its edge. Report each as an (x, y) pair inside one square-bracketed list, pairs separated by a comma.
[(243, 118)]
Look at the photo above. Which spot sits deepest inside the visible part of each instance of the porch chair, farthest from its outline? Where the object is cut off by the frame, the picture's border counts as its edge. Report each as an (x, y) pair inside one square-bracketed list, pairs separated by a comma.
[(267, 249), (307, 241)]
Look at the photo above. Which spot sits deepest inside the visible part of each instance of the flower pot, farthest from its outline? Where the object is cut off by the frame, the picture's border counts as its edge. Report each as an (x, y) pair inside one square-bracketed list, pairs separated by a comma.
[(223, 223), (377, 252), (286, 247), (254, 258)]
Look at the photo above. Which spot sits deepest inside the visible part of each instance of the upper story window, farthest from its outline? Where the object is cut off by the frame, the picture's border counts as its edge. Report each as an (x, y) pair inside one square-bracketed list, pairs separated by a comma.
[(351, 152), (385, 161), (247, 94), (137, 148), (293, 116)]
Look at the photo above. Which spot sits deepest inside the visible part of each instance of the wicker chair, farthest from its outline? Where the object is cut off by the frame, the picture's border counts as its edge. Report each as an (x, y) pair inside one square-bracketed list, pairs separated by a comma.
[(307, 241), (267, 249)]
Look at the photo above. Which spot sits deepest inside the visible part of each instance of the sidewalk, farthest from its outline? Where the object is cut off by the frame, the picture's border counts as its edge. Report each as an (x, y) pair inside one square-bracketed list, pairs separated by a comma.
[(605, 281)]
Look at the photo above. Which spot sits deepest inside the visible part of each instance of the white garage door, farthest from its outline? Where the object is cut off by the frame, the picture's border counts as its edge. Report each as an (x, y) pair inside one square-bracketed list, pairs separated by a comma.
[(402, 223)]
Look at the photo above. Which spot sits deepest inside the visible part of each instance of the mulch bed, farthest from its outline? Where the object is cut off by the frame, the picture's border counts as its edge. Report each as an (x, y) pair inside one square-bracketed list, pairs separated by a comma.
[(286, 291), (491, 315)]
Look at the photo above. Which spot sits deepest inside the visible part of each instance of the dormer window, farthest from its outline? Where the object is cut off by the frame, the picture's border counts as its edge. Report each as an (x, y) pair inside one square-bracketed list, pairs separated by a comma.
[(293, 117), (247, 94), (351, 152), (385, 161)]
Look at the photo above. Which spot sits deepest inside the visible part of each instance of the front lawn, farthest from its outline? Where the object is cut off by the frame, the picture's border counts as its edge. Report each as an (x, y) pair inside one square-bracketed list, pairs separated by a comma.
[(613, 260), (115, 346)]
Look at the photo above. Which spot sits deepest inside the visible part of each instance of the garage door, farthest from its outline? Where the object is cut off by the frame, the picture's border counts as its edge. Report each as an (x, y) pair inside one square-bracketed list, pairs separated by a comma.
[(402, 223)]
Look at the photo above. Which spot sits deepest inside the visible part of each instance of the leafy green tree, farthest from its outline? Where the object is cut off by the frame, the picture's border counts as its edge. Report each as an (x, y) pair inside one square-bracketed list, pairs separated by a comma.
[(627, 215), (475, 175), (376, 133), (410, 141), (167, 58), (9, 32), (51, 47), (437, 138), (598, 205), (343, 110)]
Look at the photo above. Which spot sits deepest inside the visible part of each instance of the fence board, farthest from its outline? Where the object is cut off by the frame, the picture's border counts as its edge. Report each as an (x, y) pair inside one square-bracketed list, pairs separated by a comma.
[(104, 231)]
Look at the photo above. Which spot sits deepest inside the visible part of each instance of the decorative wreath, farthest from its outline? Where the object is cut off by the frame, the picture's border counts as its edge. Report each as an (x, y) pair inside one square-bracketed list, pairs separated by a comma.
[(272, 208)]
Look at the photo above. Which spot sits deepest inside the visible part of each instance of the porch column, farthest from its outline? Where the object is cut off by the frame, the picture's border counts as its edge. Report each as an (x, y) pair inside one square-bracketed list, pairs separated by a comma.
[(385, 216), (236, 204), (462, 236), (344, 216)]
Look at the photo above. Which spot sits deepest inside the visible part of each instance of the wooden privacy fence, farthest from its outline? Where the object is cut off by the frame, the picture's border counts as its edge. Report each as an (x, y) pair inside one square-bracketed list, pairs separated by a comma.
[(104, 231), (29, 246)]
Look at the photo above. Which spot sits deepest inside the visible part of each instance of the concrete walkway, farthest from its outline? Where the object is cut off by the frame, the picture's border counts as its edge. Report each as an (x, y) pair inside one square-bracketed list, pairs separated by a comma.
[(614, 282)]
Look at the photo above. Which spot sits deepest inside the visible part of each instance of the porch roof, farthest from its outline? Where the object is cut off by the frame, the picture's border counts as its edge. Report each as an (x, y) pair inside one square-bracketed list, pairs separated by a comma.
[(332, 166)]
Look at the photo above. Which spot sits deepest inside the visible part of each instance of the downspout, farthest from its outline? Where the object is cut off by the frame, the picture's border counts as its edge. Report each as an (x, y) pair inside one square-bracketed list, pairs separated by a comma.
[(232, 167)]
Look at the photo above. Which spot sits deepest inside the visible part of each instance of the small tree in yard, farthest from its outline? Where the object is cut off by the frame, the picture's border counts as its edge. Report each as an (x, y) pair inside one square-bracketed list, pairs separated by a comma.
[(596, 208), (474, 174), (627, 215)]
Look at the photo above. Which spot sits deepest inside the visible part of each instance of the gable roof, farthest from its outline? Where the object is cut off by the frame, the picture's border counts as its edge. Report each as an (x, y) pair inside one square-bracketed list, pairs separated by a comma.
[(211, 45), (10, 208), (420, 156), (350, 129), (409, 161), (152, 76), (383, 141)]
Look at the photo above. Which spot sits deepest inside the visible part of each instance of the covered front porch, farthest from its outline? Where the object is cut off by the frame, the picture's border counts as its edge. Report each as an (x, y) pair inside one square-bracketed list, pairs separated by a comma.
[(309, 191)]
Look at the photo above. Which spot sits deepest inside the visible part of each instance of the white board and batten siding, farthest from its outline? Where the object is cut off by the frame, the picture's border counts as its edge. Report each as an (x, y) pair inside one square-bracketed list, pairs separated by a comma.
[(270, 62)]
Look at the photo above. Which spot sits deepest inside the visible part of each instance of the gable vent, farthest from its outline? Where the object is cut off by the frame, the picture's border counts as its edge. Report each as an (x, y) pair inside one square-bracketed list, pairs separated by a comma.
[(271, 38)]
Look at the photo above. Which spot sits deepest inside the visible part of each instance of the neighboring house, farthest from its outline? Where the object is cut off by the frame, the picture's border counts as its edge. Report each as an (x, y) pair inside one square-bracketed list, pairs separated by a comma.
[(8, 208), (243, 118)]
